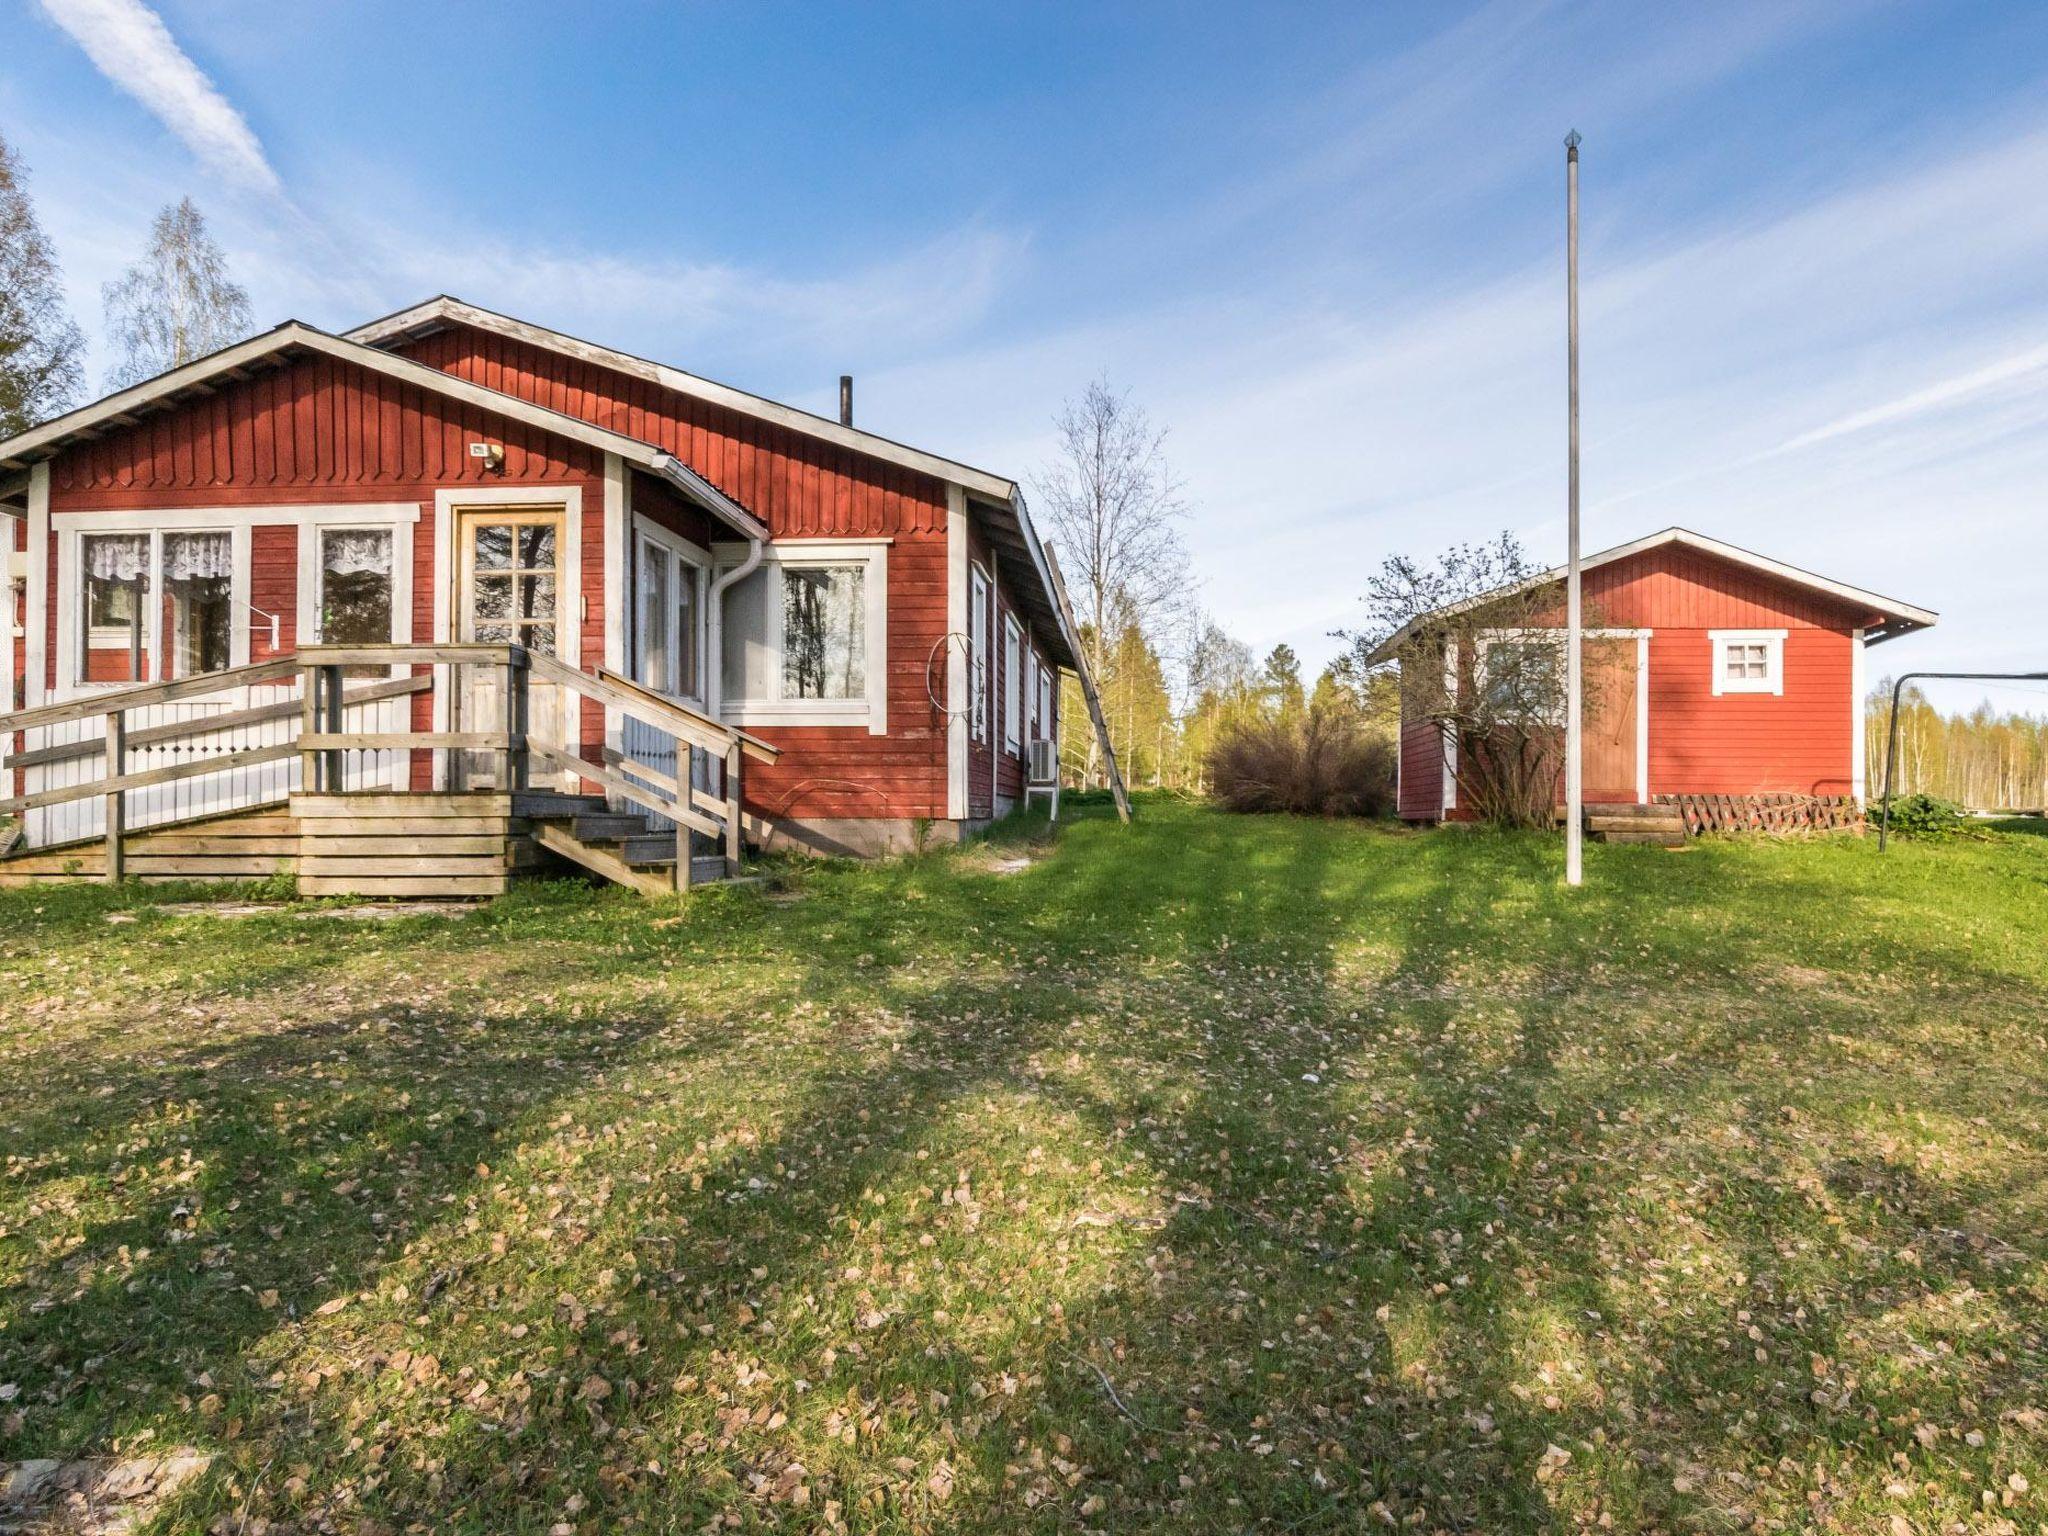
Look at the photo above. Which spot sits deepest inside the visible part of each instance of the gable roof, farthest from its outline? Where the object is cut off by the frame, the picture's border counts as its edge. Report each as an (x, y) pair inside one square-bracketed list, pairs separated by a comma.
[(441, 311), (1898, 618), (997, 500), (295, 339)]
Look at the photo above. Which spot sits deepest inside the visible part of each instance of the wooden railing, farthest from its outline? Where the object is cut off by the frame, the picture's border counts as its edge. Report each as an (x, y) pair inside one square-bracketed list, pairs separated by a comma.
[(323, 737)]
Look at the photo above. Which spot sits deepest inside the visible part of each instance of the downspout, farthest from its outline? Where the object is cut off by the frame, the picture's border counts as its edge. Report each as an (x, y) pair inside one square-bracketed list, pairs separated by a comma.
[(714, 666)]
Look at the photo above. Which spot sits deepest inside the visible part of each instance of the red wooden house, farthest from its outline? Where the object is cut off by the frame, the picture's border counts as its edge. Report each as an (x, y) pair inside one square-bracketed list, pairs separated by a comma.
[(878, 626), (1723, 675)]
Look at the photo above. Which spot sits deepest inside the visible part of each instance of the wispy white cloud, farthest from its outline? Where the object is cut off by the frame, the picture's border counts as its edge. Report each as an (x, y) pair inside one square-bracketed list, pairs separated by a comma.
[(1940, 396), (918, 297), (131, 46)]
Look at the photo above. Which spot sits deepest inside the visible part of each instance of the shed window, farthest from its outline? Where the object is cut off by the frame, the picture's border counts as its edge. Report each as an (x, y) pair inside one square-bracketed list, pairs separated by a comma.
[(1748, 660)]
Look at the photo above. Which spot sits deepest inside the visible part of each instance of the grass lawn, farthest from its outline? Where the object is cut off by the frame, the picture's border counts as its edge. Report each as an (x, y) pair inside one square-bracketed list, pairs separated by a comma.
[(1212, 1174)]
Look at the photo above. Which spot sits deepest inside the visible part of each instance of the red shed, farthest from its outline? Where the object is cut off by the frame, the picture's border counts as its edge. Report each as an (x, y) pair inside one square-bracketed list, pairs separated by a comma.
[(1729, 677), (878, 625)]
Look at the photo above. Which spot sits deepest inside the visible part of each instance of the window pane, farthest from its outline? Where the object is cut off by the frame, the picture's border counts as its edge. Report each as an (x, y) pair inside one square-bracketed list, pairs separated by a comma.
[(496, 634), (536, 597), (977, 655), (355, 586), (116, 576), (538, 637), (493, 547), (493, 598), (750, 667), (537, 547), (686, 631), (199, 617), (654, 617), (824, 633)]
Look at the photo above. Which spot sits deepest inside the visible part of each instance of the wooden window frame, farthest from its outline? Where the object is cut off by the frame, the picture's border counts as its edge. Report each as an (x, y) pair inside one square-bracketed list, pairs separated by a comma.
[(1773, 680)]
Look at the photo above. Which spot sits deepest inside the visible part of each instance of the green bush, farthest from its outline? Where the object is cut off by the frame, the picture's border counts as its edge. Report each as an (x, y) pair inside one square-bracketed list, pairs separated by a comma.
[(1925, 816)]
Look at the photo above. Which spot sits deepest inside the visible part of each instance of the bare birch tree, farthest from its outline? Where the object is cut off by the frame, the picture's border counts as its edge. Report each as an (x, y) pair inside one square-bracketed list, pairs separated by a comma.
[(1113, 506), (41, 349), (177, 303)]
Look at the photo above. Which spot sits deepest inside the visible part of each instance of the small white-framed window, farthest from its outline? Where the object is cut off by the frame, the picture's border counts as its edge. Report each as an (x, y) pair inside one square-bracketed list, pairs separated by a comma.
[(977, 651), (1748, 660), (668, 615), (806, 637), (1048, 704), (1013, 684), (1030, 695)]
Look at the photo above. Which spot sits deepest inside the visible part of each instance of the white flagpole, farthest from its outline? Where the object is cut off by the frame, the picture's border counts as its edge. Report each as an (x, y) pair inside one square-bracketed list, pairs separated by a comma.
[(1574, 659)]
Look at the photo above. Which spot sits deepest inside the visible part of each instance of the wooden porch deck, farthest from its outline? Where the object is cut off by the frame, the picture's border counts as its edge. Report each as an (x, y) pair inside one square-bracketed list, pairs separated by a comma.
[(624, 820)]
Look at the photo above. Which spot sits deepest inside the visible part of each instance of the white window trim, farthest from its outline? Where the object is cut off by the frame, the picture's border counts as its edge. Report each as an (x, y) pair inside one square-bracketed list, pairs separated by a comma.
[(73, 643), (1858, 748), (350, 520), (979, 671), (569, 599), (238, 521), (799, 554), (1773, 640), (692, 562), (1013, 685)]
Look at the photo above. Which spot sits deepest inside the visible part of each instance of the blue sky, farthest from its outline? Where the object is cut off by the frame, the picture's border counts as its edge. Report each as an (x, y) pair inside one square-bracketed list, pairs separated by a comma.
[(1322, 244)]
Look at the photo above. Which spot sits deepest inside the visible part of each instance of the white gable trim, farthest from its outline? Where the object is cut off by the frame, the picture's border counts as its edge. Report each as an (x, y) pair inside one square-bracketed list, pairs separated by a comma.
[(1915, 618)]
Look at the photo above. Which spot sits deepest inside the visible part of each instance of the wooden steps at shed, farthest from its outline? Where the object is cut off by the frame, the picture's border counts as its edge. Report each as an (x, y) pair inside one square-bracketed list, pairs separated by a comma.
[(1661, 826), (619, 846)]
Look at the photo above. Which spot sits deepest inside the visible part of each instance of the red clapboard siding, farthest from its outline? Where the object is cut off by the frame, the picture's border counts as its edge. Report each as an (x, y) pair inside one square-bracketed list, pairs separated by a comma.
[(801, 487), (1798, 742), (274, 588), (1422, 771), (302, 433)]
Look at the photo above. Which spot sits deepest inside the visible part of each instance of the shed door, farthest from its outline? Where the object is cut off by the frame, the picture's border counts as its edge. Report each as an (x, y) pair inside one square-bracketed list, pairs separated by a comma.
[(1611, 735)]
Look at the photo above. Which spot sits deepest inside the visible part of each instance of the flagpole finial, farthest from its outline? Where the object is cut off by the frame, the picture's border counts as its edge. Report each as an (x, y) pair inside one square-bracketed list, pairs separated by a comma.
[(1571, 140)]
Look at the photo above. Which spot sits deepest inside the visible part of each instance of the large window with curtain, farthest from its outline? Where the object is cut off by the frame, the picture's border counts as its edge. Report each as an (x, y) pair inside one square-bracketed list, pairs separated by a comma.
[(155, 606)]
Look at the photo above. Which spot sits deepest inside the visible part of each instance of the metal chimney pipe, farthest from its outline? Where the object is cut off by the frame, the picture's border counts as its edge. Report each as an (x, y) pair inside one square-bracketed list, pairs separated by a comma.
[(846, 399)]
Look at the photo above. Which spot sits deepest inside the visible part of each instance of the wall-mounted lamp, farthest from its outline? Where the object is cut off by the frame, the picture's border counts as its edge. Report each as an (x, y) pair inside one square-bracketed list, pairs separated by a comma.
[(493, 455)]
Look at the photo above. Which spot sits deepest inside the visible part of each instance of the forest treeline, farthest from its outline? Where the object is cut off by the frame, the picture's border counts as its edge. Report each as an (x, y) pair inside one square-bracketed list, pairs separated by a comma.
[(1985, 759)]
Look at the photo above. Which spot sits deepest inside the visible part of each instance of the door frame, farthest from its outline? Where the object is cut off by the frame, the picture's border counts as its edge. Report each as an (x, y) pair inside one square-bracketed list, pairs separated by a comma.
[(447, 576), (1642, 640)]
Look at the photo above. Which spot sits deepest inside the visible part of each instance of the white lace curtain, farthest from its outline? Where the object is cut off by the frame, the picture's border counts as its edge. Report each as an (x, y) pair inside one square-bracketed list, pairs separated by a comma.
[(356, 552), (118, 557), (124, 557), (197, 556)]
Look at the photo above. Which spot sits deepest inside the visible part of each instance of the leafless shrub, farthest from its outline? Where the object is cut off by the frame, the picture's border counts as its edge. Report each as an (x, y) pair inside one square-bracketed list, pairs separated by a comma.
[(1319, 762)]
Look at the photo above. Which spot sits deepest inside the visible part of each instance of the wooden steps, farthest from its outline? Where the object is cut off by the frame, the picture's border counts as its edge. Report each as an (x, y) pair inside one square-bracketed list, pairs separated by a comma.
[(1660, 826), (620, 846)]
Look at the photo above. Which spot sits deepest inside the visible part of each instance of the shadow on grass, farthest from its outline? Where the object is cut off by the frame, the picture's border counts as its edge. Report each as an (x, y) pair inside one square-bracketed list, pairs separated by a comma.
[(1364, 1150)]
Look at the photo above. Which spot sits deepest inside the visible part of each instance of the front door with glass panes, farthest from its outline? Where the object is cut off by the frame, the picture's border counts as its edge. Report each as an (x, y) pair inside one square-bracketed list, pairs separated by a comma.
[(510, 589)]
